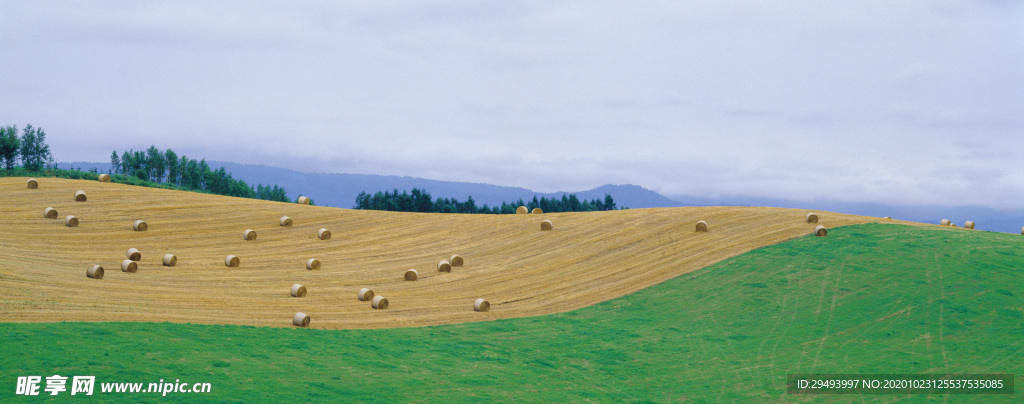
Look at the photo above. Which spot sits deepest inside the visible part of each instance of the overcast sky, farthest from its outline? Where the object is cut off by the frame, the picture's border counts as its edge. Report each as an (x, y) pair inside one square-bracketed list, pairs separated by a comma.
[(884, 101)]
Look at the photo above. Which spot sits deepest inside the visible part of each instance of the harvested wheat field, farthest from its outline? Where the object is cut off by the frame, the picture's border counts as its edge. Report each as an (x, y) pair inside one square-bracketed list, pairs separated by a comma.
[(589, 258)]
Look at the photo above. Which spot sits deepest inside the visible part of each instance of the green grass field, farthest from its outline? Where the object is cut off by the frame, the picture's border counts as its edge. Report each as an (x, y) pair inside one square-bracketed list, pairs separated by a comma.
[(869, 298)]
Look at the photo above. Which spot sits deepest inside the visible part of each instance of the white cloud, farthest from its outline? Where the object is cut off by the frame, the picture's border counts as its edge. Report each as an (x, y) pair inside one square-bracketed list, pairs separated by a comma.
[(860, 101)]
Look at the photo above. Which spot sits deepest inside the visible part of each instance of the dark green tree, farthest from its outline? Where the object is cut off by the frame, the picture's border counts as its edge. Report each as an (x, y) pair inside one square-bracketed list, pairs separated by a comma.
[(156, 163), (10, 144), (609, 203), (35, 153), (115, 162), (171, 160)]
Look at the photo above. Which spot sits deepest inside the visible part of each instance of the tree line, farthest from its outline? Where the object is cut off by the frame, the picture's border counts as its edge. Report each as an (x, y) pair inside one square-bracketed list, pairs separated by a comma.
[(166, 167), (30, 148), (420, 201)]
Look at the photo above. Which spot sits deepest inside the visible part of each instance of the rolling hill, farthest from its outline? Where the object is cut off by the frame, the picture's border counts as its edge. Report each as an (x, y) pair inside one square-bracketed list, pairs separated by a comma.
[(867, 299), (588, 258), (340, 190)]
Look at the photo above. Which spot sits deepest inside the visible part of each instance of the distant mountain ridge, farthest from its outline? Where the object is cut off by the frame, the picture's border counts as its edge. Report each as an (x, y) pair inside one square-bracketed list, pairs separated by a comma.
[(340, 190)]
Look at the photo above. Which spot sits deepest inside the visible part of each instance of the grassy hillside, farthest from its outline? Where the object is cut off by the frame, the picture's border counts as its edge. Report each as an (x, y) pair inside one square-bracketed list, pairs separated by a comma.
[(523, 271), (871, 298)]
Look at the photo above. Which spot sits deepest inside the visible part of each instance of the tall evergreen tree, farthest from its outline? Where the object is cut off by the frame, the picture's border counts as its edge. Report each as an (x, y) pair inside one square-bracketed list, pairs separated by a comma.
[(609, 203), (171, 160), (115, 162), (10, 145), (157, 163)]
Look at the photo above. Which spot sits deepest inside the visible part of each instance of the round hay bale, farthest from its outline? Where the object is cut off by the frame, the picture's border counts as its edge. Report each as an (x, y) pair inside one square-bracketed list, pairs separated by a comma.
[(140, 225), (80, 196), (95, 272), (301, 319), (71, 221), (482, 305), (134, 254), (298, 290), (129, 266), (456, 261), (32, 183), (170, 260), (812, 217), (365, 294), (313, 264), (249, 234), (412, 275), (888, 217), (303, 200), (1022, 231), (50, 213), (324, 234), (546, 225), (104, 178), (969, 224), (953, 224), (702, 226), (944, 222), (286, 221), (444, 266), (379, 302), (231, 261), (820, 231), (521, 210), (537, 211)]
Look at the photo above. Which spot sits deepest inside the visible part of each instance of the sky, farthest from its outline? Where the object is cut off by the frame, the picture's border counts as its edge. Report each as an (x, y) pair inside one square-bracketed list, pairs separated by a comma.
[(908, 102)]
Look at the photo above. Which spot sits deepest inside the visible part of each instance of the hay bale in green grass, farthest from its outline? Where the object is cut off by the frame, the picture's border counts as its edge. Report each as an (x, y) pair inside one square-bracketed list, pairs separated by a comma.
[(820, 231)]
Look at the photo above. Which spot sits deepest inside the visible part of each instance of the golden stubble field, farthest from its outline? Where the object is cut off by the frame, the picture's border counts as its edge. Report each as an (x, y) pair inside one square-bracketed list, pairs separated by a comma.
[(586, 259)]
